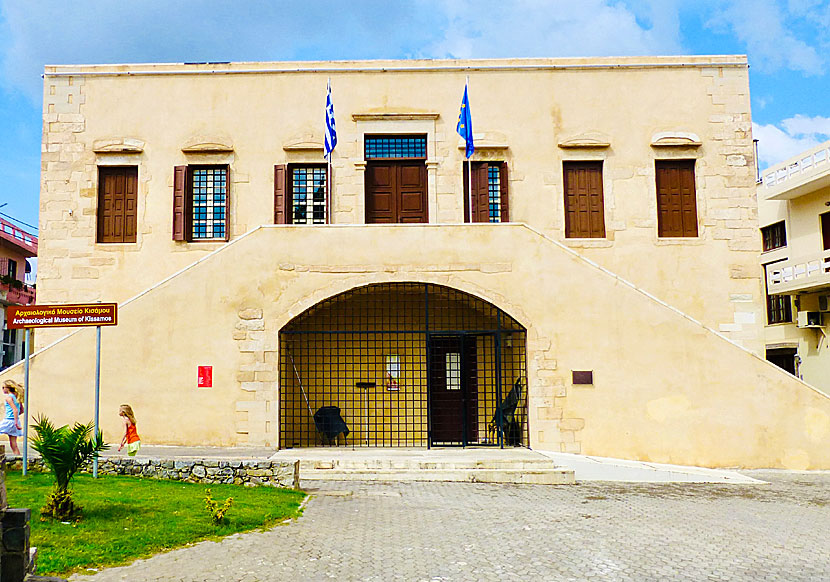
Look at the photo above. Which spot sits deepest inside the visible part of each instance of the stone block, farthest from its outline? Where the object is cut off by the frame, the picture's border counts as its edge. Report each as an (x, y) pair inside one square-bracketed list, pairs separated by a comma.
[(250, 314), (14, 567), (245, 376), (101, 261), (16, 517), (251, 325), (548, 413), (15, 539), (736, 160), (745, 244), (571, 424), (251, 346), (743, 271), (84, 273)]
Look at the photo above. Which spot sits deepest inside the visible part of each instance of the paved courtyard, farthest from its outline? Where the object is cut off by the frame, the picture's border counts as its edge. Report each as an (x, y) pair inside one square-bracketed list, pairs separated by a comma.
[(591, 531)]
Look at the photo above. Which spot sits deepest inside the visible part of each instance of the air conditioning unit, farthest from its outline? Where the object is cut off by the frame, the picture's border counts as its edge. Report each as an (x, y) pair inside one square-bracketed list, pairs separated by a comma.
[(809, 319), (824, 302)]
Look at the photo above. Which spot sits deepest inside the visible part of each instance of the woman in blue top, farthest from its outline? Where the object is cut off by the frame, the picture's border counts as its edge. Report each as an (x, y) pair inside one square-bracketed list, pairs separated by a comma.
[(10, 424)]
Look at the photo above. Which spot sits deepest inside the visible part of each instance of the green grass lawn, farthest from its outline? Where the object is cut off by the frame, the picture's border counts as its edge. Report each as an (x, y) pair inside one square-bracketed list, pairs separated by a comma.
[(125, 518)]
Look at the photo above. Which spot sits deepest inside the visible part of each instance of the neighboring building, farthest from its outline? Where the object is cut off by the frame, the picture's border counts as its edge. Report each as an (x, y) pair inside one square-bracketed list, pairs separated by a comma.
[(609, 278), (794, 203), (16, 246)]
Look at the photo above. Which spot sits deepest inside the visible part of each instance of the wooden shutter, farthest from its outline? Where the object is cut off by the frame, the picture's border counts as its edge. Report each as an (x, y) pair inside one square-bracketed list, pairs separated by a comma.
[(130, 203), (281, 210), (584, 203), (676, 198), (227, 202), (505, 201), (465, 177), (481, 200), (481, 192), (106, 203), (179, 202)]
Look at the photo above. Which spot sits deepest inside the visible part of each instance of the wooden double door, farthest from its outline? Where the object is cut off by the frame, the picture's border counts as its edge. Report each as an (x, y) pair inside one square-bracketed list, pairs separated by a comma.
[(396, 192)]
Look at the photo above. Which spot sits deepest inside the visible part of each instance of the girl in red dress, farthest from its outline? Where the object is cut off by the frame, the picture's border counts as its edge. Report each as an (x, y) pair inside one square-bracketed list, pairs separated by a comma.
[(131, 438)]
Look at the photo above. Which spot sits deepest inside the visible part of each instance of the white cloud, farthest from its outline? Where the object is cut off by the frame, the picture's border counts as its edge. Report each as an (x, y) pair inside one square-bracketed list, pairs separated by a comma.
[(33, 34), (802, 125), (796, 134), (534, 28), (766, 28)]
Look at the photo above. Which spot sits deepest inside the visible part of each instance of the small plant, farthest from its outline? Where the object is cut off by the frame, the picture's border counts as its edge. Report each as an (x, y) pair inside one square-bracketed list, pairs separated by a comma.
[(217, 512), (64, 450)]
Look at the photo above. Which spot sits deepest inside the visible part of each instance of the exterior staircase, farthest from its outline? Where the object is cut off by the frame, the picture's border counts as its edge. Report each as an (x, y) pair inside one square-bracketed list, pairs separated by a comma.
[(467, 465)]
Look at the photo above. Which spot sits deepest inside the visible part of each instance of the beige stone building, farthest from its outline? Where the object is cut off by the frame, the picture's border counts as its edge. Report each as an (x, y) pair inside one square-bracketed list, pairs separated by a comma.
[(794, 206), (605, 298)]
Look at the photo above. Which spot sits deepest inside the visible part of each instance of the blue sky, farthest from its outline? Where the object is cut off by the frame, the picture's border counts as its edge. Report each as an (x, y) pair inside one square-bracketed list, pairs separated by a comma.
[(787, 42)]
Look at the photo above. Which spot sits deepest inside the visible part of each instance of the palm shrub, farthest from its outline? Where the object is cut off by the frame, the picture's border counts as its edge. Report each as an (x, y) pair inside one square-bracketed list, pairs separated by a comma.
[(217, 512), (64, 450)]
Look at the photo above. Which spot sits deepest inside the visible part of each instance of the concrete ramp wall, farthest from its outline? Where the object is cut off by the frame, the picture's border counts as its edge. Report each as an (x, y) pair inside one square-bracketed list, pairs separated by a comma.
[(665, 389)]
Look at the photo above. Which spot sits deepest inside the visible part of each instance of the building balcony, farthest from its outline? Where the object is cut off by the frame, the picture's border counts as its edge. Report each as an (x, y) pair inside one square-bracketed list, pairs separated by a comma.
[(11, 294), (803, 174), (24, 242), (807, 274)]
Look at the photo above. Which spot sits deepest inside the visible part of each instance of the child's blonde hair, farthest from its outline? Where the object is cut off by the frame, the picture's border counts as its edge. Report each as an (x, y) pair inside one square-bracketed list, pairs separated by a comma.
[(15, 389), (125, 410)]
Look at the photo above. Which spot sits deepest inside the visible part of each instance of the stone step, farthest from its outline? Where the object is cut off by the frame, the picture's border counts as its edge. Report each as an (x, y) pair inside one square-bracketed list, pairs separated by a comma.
[(419, 464), (538, 476)]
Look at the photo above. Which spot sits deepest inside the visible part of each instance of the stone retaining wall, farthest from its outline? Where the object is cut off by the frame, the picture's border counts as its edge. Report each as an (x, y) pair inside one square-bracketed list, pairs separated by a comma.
[(250, 473)]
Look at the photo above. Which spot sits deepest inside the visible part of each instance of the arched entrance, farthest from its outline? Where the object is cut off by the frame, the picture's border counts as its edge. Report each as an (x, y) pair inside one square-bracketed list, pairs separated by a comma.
[(406, 364)]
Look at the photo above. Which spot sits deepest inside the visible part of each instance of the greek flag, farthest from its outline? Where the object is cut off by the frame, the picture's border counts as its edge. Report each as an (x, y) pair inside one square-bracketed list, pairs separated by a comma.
[(331, 133), (465, 125)]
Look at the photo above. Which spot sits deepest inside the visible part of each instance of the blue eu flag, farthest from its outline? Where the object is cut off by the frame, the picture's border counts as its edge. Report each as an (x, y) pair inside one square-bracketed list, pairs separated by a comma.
[(465, 125)]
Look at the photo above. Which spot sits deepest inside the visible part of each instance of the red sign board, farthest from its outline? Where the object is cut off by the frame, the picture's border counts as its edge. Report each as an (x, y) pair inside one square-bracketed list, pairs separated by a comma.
[(74, 315), (205, 377)]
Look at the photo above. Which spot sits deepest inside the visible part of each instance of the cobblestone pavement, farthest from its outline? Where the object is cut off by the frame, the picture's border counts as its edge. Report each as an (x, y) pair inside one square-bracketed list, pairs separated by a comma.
[(592, 531)]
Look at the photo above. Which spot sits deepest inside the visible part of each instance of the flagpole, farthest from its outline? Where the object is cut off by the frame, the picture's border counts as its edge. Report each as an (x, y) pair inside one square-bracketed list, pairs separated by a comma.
[(469, 161), (328, 165), (329, 188)]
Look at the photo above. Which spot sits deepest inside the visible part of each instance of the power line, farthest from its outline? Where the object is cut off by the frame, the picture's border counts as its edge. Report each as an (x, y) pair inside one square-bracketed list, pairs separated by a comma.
[(18, 220)]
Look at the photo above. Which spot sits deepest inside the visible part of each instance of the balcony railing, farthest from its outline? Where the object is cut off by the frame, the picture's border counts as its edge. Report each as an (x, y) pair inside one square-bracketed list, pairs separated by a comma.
[(17, 295), (794, 177), (799, 274), (18, 236)]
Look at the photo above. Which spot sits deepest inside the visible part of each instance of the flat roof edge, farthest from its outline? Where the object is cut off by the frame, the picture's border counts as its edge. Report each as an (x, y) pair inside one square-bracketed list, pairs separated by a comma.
[(403, 65)]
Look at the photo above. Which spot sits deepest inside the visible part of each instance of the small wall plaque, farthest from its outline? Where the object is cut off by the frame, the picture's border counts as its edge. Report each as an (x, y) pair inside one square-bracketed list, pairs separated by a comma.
[(205, 377), (583, 376)]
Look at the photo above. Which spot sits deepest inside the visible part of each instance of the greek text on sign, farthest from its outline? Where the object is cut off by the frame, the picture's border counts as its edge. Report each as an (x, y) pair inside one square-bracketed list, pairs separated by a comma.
[(75, 315)]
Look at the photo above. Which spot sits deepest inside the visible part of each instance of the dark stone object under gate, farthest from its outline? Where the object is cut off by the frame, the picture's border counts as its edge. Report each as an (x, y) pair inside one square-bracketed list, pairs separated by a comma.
[(17, 559)]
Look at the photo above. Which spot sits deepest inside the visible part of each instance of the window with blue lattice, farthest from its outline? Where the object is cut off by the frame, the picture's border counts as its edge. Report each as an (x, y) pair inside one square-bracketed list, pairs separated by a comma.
[(200, 203), (308, 194)]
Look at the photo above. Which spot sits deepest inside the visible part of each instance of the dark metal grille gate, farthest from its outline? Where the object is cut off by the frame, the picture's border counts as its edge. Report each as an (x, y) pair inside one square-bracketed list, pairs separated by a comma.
[(407, 364)]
